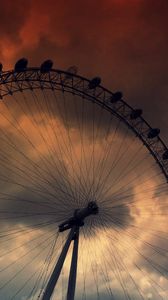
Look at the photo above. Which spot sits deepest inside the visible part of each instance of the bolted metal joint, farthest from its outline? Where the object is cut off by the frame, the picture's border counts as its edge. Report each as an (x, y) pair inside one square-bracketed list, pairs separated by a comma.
[(79, 216)]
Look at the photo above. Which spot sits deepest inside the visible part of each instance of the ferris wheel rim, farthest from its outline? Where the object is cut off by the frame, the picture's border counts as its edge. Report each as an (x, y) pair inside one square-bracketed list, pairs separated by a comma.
[(13, 81)]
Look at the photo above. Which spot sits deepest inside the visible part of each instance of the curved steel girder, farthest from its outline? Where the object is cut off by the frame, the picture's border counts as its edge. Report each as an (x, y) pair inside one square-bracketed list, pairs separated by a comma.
[(31, 78)]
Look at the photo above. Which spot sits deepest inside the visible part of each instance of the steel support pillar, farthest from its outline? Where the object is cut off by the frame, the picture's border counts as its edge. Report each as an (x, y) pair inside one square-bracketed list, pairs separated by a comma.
[(57, 270), (73, 270), (73, 223)]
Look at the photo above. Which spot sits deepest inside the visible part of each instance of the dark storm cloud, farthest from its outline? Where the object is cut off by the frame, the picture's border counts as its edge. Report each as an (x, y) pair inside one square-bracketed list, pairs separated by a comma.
[(125, 42), (24, 186), (12, 18), (31, 204), (116, 212), (34, 189)]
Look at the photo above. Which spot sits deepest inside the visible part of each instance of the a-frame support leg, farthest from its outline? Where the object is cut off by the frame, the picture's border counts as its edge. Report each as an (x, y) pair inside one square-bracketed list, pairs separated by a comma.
[(57, 270), (73, 270)]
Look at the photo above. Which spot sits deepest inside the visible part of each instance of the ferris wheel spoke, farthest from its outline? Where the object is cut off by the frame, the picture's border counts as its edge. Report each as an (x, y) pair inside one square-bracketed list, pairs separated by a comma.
[(26, 283), (42, 188), (152, 233), (22, 175), (117, 270), (77, 168), (127, 248), (32, 121), (39, 270), (85, 264), (36, 203), (152, 282), (25, 170), (39, 253), (106, 147), (114, 157), (106, 153), (126, 269), (34, 181), (123, 194), (6, 197), (93, 268), (134, 179), (33, 190), (118, 274), (123, 266), (22, 245), (8, 235), (25, 215), (75, 155), (103, 265), (154, 265), (41, 280), (42, 270), (25, 254), (83, 165), (129, 199), (140, 184), (135, 166), (122, 156), (125, 201), (47, 263), (69, 153), (94, 157), (47, 123), (35, 165), (21, 132), (69, 150), (45, 117), (42, 250), (112, 184)]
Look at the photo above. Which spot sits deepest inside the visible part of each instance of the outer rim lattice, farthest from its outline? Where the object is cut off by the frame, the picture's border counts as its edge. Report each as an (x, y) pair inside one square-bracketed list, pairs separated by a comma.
[(33, 78)]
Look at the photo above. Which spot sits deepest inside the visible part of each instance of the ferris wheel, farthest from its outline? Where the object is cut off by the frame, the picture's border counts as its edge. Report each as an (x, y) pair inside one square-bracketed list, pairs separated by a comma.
[(83, 191)]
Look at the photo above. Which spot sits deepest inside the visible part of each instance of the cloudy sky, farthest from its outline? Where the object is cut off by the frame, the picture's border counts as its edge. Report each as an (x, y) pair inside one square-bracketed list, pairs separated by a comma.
[(123, 254), (124, 42)]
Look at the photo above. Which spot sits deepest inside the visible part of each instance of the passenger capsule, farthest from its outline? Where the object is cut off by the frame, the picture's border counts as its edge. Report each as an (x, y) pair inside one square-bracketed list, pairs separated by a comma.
[(165, 155), (95, 82), (136, 113), (46, 66), (1, 67), (21, 65), (154, 132), (116, 97)]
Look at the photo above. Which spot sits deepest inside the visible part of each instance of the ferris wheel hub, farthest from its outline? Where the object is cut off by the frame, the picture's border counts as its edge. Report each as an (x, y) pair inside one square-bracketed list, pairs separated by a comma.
[(79, 216)]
